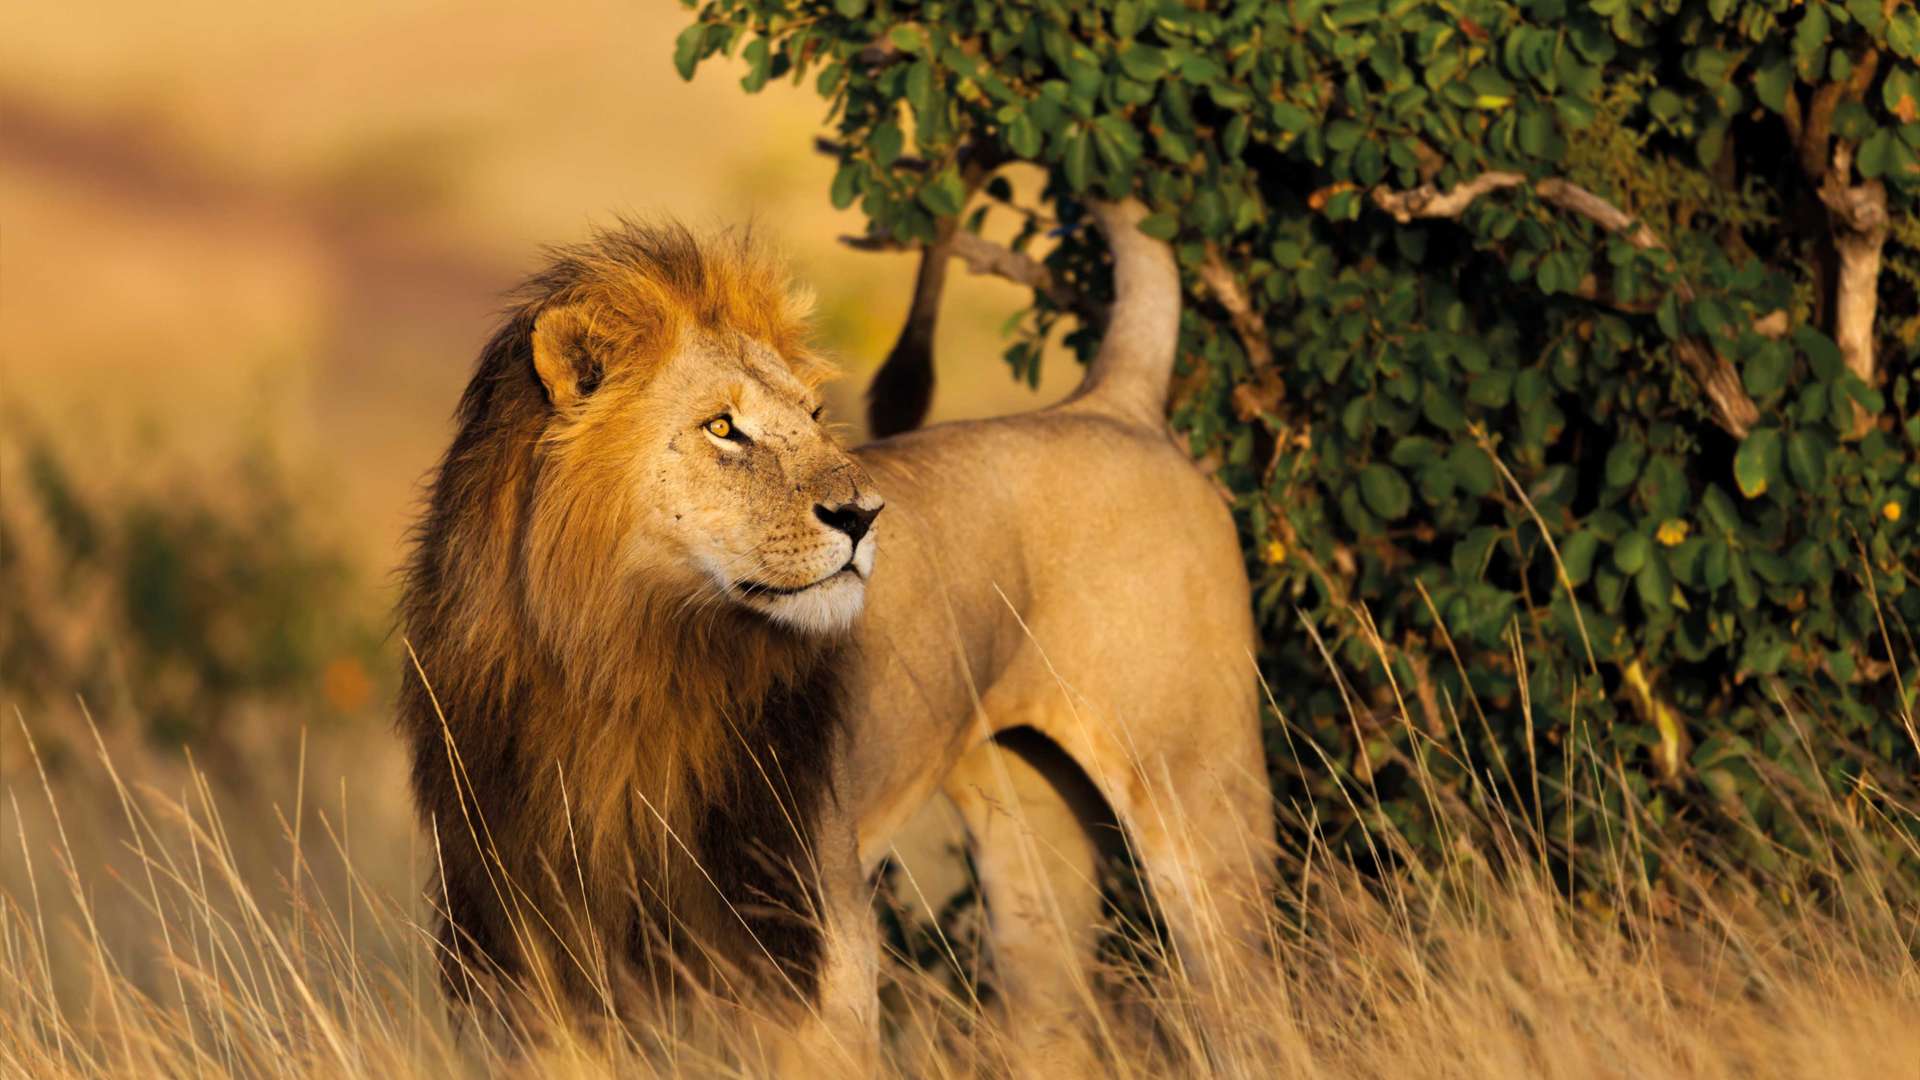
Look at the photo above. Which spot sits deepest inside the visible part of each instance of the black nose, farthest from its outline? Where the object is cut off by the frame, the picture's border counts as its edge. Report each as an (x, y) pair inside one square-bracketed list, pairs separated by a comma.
[(849, 518)]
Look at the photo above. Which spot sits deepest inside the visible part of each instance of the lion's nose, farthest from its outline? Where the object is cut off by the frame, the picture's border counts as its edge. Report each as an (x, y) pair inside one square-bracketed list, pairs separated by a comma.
[(850, 518)]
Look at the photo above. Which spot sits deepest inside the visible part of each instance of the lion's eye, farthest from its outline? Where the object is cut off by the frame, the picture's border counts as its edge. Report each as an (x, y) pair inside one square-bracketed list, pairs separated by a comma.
[(721, 427), (817, 410)]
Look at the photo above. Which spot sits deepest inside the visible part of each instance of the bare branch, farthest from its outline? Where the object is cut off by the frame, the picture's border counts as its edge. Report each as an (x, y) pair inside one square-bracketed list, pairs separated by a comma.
[(1250, 328), (834, 148), (1856, 218), (1733, 410), (983, 256), (1773, 325), (1428, 201), (1578, 200), (1857, 221)]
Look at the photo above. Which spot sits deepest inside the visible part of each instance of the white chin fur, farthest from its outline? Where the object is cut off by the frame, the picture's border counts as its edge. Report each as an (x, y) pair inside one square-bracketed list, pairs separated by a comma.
[(827, 608)]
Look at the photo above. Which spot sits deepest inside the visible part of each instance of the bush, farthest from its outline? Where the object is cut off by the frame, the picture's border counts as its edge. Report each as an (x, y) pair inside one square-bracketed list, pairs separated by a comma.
[(1554, 356), (173, 609)]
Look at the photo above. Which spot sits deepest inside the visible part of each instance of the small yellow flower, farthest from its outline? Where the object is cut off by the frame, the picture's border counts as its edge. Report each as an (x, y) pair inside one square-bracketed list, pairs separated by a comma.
[(1276, 552), (1891, 511), (1672, 532)]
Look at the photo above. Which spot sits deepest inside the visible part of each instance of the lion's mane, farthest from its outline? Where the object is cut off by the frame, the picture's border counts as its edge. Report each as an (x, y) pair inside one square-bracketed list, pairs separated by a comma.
[(590, 751)]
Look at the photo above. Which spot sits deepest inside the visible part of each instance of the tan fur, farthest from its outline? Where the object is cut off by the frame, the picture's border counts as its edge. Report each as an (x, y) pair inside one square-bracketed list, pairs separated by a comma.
[(600, 599)]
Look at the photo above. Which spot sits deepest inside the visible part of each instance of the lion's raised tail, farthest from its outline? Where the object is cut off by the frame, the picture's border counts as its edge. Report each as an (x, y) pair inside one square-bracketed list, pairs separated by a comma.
[(1128, 378), (1130, 375)]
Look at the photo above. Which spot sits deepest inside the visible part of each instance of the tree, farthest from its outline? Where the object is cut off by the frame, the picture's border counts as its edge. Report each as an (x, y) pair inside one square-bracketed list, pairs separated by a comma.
[(1555, 356)]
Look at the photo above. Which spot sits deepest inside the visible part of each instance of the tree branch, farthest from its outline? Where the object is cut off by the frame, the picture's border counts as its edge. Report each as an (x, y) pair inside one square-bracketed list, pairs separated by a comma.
[(1428, 201), (834, 148), (1857, 221), (1248, 326), (1733, 410), (983, 256)]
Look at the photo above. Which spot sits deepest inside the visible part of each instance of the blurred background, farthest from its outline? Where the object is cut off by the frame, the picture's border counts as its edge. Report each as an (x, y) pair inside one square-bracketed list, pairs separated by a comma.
[(247, 256)]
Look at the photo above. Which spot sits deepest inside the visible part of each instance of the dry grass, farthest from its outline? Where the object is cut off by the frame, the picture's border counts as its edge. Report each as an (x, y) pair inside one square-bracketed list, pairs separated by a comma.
[(159, 928), (349, 231)]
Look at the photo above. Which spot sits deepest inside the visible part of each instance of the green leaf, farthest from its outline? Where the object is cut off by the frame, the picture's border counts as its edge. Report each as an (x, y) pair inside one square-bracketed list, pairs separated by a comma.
[(1290, 118), (1745, 588), (1766, 371), (1653, 586), (1631, 552), (1810, 39), (1624, 461), (1470, 555), (1472, 469), (1877, 154), (1868, 14), (1077, 162), (759, 65), (1143, 62), (1771, 83), (1903, 32), (1807, 461), (844, 185), (885, 144), (1343, 135), (908, 39), (1536, 131), (1820, 351), (1720, 508), (1492, 390), (1385, 491), (1234, 141), (687, 48), (1576, 555), (920, 88), (1160, 226), (1023, 137), (1756, 465), (944, 195)]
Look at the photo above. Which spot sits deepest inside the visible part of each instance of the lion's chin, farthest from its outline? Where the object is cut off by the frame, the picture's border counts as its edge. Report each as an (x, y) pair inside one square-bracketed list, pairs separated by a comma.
[(825, 609)]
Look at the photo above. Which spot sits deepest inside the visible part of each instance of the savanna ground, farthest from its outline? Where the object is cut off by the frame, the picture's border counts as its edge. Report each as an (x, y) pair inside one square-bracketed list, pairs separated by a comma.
[(247, 260)]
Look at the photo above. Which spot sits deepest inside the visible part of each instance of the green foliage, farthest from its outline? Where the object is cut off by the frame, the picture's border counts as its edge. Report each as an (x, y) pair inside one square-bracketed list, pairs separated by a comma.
[(173, 610), (1493, 484)]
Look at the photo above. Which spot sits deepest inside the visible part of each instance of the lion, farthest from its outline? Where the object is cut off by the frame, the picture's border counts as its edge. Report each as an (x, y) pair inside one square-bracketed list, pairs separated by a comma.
[(682, 664)]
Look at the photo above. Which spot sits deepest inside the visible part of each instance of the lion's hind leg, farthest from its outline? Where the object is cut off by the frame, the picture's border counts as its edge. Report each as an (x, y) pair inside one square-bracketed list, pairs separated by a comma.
[(1036, 867), (1183, 771)]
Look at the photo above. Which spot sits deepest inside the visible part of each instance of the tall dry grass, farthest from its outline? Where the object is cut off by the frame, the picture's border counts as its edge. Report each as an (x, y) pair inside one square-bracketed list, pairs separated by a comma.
[(275, 936)]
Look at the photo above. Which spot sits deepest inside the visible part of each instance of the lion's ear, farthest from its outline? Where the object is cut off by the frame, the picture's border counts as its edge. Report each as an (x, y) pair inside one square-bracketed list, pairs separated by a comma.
[(566, 355)]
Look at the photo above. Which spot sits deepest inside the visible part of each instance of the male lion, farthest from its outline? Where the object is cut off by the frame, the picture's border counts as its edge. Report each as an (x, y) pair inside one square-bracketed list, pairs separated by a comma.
[(669, 702)]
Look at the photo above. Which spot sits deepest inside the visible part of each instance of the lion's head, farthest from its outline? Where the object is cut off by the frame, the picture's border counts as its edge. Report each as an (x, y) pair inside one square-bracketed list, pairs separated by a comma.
[(685, 432)]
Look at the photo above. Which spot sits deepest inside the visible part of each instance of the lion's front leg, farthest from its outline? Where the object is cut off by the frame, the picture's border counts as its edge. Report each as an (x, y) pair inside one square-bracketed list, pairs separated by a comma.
[(838, 1034)]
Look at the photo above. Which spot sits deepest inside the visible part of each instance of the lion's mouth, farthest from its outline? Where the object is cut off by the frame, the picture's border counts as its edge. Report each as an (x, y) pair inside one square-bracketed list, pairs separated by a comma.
[(751, 589)]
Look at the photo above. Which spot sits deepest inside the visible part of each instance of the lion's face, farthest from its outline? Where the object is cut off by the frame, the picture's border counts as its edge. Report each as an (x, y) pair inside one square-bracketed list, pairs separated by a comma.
[(753, 490), (733, 489)]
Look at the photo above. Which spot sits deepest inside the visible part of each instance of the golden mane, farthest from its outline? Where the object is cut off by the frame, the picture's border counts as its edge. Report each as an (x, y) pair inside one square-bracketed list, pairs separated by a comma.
[(651, 283), (581, 738)]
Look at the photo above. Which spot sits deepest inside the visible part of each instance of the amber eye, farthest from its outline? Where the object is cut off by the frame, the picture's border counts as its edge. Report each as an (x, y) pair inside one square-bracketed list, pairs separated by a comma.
[(817, 410), (720, 427)]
